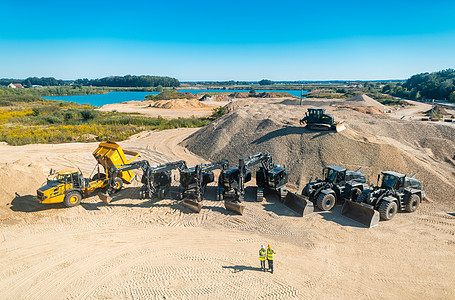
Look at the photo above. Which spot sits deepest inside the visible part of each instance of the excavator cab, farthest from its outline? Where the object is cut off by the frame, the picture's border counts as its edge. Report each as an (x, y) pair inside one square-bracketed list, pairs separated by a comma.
[(230, 177)]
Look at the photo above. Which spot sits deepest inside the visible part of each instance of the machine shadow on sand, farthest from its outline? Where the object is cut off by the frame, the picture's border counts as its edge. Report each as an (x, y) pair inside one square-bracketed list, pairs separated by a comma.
[(335, 216), (238, 268), (289, 130), (28, 203)]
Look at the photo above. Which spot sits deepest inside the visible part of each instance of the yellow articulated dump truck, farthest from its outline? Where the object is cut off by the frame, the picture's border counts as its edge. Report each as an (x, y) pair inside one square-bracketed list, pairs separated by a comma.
[(69, 186)]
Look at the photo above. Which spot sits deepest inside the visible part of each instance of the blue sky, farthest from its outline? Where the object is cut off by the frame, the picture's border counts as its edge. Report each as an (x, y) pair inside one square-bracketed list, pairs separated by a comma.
[(224, 40)]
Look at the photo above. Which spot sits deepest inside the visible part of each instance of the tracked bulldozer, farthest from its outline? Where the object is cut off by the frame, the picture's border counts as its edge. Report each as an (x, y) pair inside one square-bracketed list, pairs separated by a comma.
[(316, 119), (193, 183), (269, 177), (397, 192), (156, 180), (69, 186)]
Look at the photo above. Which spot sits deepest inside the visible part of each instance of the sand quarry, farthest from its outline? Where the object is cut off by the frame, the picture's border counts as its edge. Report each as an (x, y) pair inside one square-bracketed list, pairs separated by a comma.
[(150, 249)]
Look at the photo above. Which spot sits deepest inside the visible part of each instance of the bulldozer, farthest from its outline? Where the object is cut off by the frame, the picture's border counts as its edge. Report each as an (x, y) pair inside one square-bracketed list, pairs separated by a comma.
[(397, 192), (156, 180), (316, 119), (69, 186), (193, 182), (269, 177)]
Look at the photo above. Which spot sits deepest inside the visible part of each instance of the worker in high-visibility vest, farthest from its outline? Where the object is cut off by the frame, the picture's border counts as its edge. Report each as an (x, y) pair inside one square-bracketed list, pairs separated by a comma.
[(262, 256), (270, 253)]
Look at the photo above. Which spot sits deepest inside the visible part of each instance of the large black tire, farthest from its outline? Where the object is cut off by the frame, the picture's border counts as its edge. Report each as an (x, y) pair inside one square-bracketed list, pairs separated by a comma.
[(326, 201), (101, 176), (387, 210), (412, 203), (362, 198), (306, 190), (118, 184), (72, 198), (161, 193), (355, 193)]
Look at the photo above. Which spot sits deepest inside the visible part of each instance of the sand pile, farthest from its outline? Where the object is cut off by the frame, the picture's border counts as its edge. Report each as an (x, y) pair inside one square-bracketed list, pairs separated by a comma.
[(215, 98), (373, 142), (364, 100), (372, 110), (178, 104), (438, 110)]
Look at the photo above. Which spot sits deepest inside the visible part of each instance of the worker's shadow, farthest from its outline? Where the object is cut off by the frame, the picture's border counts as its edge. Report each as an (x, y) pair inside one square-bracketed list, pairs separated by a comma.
[(28, 203), (289, 130), (238, 268)]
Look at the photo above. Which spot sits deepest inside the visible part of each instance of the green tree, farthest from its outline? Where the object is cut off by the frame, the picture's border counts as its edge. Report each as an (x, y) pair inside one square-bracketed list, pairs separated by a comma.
[(452, 97), (265, 82)]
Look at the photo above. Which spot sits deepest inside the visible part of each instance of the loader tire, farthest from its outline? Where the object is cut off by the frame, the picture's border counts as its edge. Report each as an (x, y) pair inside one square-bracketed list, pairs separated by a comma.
[(326, 201), (412, 203), (118, 184), (179, 196), (387, 210), (161, 193), (362, 198), (306, 190), (355, 193), (72, 199), (219, 197)]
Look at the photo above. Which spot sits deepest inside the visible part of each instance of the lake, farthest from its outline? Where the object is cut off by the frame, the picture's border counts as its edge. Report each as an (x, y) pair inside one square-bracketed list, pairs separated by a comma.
[(117, 97)]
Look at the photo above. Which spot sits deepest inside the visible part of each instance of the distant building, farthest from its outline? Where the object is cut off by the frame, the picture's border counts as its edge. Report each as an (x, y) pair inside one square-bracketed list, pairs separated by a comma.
[(15, 86), (37, 86)]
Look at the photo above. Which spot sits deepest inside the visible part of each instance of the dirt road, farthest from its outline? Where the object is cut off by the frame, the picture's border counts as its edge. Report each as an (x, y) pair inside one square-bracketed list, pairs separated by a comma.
[(142, 249)]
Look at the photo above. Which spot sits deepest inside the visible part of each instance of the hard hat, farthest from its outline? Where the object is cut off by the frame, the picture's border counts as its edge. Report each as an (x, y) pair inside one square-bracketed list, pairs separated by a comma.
[(270, 246), (262, 246)]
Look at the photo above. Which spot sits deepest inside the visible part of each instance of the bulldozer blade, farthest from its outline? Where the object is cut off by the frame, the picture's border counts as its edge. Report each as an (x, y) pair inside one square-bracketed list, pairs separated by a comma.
[(362, 213), (340, 126), (105, 198), (298, 203), (193, 205), (235, 207)]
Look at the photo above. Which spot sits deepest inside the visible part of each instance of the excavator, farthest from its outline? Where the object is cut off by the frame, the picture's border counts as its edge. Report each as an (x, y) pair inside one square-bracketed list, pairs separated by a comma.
[(316, 119), (269, 177), (156, 180), (193, 182)]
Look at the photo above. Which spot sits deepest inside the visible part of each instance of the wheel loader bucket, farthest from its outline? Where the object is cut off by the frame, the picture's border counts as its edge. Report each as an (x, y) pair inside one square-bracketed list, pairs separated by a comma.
[(362, 213), (235, 207), (105, 198), (193, 205), (340, 126), (298, 203)]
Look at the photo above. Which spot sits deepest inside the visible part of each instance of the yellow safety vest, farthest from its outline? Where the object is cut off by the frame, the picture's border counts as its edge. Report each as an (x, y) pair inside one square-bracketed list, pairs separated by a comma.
[(269, 254), (261, 254)]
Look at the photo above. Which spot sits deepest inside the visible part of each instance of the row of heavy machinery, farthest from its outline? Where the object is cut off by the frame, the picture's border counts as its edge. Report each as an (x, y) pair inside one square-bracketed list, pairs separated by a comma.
[(361, 202)]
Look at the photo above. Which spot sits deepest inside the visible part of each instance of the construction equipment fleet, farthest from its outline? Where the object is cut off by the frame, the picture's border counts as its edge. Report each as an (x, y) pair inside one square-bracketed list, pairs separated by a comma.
[(69, 186), (193, 182), (269, 177), (316, 119), (397, 192)]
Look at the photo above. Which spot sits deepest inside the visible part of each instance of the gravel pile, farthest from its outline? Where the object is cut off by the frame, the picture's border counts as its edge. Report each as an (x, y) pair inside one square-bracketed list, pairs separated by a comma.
[(373, 142), (178, 104)]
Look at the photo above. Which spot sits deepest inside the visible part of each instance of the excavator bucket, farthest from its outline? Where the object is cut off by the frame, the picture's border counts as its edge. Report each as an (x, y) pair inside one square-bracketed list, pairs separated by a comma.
[(362, 213), (298, 203), (105, 198), (193, 205), (235, 207), (340, 126)]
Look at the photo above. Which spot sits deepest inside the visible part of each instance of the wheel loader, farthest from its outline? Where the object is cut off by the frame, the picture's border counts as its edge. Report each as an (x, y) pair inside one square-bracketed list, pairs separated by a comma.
[(269, 177), (316, 119), (193, 182), (397, 192), (156, 180), (69, 186)]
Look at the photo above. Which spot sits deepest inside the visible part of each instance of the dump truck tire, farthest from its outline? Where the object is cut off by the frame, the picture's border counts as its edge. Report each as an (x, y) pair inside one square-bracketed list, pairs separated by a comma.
[(412, 203), (326, 201), (72, 199), (387, 210), (118, 184), (355, 193)]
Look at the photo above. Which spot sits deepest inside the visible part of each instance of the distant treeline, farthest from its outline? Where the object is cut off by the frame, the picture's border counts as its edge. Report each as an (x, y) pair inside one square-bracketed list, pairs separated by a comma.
[(130, 81), (112, 81), (437, 85)]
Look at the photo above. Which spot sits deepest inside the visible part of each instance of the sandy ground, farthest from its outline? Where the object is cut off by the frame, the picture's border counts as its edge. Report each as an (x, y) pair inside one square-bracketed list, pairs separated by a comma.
[(141, 107), (142, 249)]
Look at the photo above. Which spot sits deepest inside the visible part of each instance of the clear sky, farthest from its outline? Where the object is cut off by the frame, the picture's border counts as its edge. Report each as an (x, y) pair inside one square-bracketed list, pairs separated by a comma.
[(224, 40)]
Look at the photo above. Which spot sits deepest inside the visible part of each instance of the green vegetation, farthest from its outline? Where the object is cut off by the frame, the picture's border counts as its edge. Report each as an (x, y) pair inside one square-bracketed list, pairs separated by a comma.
[(170, 94), (437, 85), (28, 119), (265, 82), (131, 81)]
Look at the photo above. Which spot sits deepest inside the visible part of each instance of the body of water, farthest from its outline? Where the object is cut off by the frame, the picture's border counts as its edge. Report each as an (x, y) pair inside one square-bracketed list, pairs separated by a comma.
[(118, 97)]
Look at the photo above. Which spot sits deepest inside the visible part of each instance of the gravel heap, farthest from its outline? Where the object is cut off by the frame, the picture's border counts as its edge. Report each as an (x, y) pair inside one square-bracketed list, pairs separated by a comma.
[(373, 142), (178, 104), (364, 100)]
